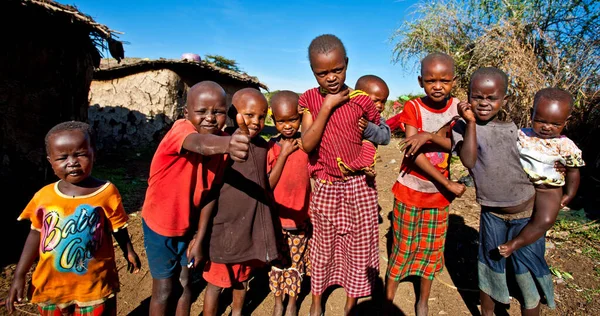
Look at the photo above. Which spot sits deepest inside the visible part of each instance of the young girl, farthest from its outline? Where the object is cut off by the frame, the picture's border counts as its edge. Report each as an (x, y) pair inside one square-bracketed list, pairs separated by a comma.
[(540, 148), (288, 177), (71, 225), (488, 148)]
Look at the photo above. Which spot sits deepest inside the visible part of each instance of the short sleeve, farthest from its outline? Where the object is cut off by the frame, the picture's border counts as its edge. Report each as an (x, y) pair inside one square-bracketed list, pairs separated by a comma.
[(115, 213), (408, 116), (303, 102), (458, 132), (177, 135), (571, 153), (394, 122), (272, 155), (33, 213)]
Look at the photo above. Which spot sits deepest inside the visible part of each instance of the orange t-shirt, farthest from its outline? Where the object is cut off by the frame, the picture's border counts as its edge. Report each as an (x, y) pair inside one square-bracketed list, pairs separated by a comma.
[(292, 192), (412, 187), (77, 259), (179, 180)]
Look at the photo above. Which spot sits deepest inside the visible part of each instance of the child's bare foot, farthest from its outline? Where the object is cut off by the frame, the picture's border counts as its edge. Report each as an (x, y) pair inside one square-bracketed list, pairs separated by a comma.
[(278, 308), (506, 249), (422, 309)]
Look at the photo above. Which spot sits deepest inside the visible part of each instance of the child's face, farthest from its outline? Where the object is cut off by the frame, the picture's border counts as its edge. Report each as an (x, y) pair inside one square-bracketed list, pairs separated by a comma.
[(207, 112), (486, 97), (330, 70), (71, 156), (549, 117), (378, 94), (254, 111), (287, 119), (437, 79)]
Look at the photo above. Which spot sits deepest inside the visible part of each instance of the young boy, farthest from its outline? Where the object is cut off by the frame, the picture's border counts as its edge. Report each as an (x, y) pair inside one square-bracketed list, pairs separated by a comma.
[(423, 191), (488, 148), (540, 148), (71, 222), (242, 234), (181, 175), (344, 248), (287, 168)]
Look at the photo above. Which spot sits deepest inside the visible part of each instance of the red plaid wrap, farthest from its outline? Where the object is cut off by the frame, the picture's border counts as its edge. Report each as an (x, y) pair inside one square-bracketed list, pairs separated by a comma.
[(344, 248)]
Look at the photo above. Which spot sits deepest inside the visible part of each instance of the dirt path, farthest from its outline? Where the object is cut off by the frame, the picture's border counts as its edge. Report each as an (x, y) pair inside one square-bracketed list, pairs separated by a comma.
[(454, 291)]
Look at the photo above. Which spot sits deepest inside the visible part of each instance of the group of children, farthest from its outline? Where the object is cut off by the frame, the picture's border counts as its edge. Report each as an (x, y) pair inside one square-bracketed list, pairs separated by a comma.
[(227, 201)]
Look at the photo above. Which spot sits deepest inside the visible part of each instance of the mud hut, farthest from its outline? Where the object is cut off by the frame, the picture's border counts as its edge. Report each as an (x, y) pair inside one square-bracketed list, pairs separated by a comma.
[(135, 102), (46, 67)]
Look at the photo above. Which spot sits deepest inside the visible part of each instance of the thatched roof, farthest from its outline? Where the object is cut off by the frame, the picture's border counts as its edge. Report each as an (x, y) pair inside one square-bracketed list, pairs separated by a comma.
[(109, 69), (98, 31)]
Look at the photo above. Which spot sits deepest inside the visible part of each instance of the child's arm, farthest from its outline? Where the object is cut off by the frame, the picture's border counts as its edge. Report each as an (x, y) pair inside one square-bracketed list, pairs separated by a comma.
[(133, 261), (379, 135), (425, 165), (571, 186), (312, 131), (468, 150), (236, 145), (28, 256), (288, 146), (195, 252)]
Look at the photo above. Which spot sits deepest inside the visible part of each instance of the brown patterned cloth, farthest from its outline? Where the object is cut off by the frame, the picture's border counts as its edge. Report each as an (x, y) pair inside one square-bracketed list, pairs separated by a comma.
[(286, 274)]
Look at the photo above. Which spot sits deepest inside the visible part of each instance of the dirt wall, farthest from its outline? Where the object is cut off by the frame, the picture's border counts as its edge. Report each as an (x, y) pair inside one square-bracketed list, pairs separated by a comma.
[(135, 110)]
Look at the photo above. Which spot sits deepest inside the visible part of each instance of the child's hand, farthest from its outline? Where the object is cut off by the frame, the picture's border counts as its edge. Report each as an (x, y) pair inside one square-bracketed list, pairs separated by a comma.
[(288, 146), (457, 189), (506, 249), (15, 294), (362, 124), (465, 111), (133, 262), (334, 100), (240, 140), (566, 199), (195, 253), (559, 167), (413, 143)]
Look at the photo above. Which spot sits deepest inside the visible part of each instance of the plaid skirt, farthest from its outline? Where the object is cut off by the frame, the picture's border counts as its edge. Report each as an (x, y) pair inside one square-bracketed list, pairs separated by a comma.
[(286, 274), (419, 238), (345, 243), (106, 308)]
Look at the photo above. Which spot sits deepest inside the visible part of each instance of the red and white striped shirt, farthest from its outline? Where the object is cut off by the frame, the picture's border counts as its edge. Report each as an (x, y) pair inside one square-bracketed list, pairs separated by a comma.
[(341, 137)]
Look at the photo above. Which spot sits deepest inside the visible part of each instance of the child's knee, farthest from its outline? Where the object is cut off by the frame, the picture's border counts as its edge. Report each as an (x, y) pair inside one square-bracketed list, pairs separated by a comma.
[(162, 290)]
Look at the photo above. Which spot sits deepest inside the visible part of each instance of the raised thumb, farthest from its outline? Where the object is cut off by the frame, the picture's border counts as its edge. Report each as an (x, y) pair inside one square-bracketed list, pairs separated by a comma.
[(242, 124)]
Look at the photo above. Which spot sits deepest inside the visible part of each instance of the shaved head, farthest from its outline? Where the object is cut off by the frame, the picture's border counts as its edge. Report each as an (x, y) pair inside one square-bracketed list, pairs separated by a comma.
[(554, 94), (437, 58), (284, 100), (247, 95), (205, 90), (491, 73), (368, 82)]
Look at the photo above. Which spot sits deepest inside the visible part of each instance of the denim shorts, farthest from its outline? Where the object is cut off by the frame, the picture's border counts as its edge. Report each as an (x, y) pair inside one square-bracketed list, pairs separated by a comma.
[(166, 255), (524, 274)]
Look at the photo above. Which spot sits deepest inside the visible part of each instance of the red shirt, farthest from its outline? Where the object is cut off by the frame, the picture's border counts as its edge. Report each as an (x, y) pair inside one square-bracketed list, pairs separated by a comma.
[(412, 187), (341, 137), (292, 192), (178, 182)]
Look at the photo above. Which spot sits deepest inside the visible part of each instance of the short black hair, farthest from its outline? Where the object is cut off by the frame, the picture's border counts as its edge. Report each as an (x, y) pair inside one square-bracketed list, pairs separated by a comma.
[(491, 72), (442, 57), (83, 127), (554, 94), (325, 43), (363, 81)]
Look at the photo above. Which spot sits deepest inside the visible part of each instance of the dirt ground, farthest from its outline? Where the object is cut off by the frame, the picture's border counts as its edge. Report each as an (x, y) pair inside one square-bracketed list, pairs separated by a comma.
[(454, 291)]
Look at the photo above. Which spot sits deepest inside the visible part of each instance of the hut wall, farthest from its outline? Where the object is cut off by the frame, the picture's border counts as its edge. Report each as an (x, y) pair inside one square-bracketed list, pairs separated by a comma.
[(45, 74), (137, 109)]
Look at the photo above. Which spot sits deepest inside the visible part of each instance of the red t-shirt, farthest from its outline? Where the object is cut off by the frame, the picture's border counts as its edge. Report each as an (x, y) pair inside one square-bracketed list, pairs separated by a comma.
[(412, 187), (292, 192), (178, 182)]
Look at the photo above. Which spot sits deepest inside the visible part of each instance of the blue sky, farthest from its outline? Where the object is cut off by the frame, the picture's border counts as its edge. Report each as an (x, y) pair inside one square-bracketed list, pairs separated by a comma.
[(268, 39)]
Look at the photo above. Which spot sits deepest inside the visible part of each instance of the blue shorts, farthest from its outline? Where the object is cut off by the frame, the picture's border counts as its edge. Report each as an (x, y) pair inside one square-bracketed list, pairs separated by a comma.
[(166, 255), (526, 268)]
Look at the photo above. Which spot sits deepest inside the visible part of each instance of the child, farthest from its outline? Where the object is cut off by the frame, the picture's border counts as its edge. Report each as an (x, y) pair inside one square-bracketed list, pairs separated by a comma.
[(288, 177), (242, 234), (420, 218), (344, 248), (71, 222), (181, 175), (488, 148), (540, 147)]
